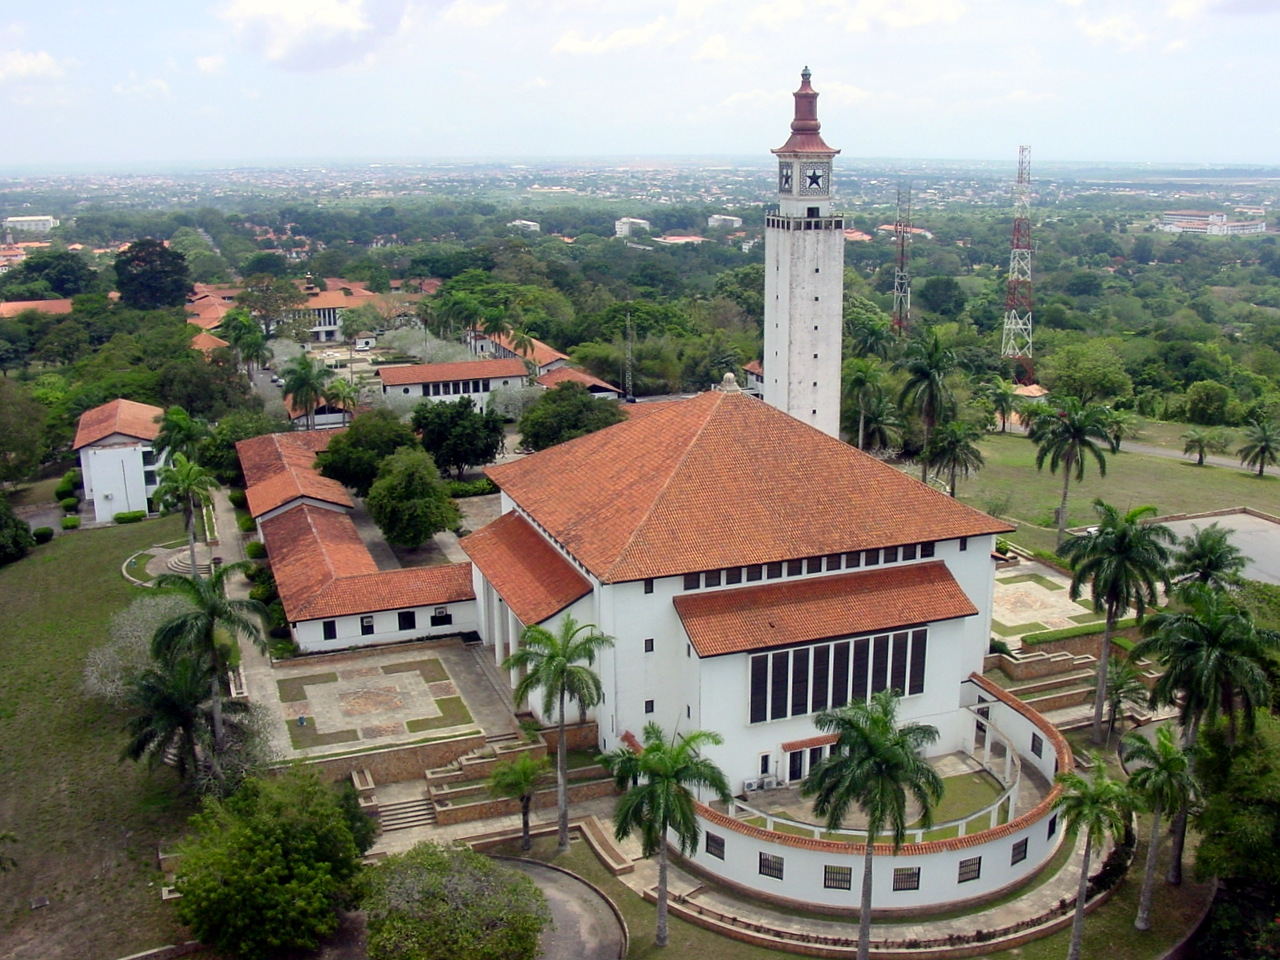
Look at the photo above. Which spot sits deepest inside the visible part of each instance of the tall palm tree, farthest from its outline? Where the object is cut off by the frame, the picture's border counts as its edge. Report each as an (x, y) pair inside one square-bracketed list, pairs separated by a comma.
[(559, 664), (1096, 807), (882, 425), (254, 351), (189, 486), (1200, 441), (927, 363), (1124, 689), (863, 380), (953, 448), (204, 630), (342, 394), (519, 779), (179, 433), (1065, 435), (1003, 399), (1208, 556), (1123, 560), (1261, 447), (171, 704), (874, 764), (1161, 777), (304, 384), (661, 779), (870, 338), (521, 342)]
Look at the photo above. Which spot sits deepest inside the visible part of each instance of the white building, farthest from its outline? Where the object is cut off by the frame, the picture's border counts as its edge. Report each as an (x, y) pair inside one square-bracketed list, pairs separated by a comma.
[(31, 224), (543, 356), (723, 221), (449, 381), (529, 226), (804, 277), (627, 225), (116, 459)]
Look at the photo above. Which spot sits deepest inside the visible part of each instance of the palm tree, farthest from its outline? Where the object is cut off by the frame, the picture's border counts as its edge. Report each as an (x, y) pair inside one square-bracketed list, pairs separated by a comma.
[(559, 664), (1124, 689), (518, 779), (863, 380), (1208, 556), (1096, 807), (1163, 782), (521, 342), (1065, 435), (1200, 441), (1123, 560), (179, 433), (342, 394), (254, 351), (1004, 401), (870, 338), (1261, 445), (304, 384), (1121, 425), (874, 764), (927, 364), (953, 448), (661, 778), (189, 485), (882, 425), (204, 631)]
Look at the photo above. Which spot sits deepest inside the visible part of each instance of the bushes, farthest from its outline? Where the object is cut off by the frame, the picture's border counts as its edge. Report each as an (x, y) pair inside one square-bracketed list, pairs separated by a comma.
[(999, 646), (1084, 630), (246, 525), (64, 491), (238, 499), (130, 516), (70, 523), (69, 504), (42, 534), (458, 489), (255, 550)]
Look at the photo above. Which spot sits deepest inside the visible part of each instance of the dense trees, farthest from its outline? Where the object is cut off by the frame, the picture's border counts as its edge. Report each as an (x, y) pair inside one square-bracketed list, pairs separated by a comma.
[(408, 501), (150, 275), (15, 534), (354, 457), (1161, 778), (457, 435), (563, 413)]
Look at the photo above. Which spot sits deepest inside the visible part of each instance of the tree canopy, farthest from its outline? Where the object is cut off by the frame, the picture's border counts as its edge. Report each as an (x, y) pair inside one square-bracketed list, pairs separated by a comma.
[(150, 275), (563, 413), (408, 500), (355, 456), (457, 435)]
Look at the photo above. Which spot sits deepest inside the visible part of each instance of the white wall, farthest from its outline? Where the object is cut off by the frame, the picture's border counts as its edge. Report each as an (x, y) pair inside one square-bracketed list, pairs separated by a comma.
[(114, 477), (479, 398), (310, 633)]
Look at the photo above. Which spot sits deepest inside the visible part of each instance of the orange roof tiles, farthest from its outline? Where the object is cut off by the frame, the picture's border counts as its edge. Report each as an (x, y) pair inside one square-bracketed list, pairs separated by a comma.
[(444, 372), (529, 574), (778, 614), (754, 367), (722, 480), (310, 547), (565, 374), (119, 416), (541, 354), (55, 307), (390, 590), (207, 342), (279, 468), (822, 740)]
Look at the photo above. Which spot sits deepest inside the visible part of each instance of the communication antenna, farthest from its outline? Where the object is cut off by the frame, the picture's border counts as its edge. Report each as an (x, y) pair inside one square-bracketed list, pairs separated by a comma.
[(901, 275), (631, 338), (1015, 344)]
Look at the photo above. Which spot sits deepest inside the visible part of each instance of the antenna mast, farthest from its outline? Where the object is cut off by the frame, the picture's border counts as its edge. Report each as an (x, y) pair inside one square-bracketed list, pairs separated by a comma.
[(901, 275), (1016, 341), (630, 356)]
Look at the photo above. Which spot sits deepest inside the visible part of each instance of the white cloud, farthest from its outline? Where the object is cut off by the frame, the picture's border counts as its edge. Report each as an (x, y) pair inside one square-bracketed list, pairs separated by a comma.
[(317, 34), (621, 39), (537, 83), (211, 64), (864, 15), (715, 47), (152, 89), (1119, 29), (471, 13), (1175, 46), (840, 94), (24, 65)]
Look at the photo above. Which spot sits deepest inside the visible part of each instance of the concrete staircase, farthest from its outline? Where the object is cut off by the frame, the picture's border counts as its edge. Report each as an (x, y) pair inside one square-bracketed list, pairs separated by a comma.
[(180, 563), (406, 814)]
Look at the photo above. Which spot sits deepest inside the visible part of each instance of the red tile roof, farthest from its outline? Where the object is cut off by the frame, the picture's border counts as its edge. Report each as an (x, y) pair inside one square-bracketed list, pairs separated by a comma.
[(390, 590), (207, 342), (528, 573), (821, 740), (279, 467), (722, 480), (310, 547), (540, 353), (754, 367), (444, 372), (798, 611), (15, 307), (565, 374), (119, 416)]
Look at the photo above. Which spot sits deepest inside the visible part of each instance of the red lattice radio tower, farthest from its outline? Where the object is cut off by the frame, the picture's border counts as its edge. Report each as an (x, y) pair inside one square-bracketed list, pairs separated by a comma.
[(1016, 342)]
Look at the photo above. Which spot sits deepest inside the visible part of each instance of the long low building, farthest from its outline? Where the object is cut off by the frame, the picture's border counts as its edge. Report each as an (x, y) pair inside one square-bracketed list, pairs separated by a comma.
[(449, 381)]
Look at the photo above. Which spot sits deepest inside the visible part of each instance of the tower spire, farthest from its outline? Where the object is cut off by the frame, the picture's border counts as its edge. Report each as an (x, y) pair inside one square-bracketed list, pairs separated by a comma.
[(805, 126)]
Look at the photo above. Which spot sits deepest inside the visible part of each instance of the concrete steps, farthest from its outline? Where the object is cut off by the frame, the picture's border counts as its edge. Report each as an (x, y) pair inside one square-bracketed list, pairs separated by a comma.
[(406, 814), (1033, 688), (180, 563)]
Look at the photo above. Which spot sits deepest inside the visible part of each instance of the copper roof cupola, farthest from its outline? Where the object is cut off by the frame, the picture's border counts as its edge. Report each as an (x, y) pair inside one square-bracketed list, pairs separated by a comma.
[(805, 136)]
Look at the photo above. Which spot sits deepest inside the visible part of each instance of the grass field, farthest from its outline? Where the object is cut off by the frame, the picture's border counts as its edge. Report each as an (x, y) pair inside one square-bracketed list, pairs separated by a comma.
[(88, 826)]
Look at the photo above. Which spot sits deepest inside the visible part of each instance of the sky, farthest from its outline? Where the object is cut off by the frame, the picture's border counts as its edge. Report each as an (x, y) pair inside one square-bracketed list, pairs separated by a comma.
[(136, 84)]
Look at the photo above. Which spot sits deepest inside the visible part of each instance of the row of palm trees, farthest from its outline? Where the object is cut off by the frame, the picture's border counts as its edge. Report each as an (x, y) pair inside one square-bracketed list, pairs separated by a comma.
[(1261, 447)]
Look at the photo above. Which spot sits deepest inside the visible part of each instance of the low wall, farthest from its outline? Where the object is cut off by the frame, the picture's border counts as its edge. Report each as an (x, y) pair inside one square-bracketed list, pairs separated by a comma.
[(394, 764), (478, 768), (1031, 665), (577, 736), (448, 814), (1088, 644)]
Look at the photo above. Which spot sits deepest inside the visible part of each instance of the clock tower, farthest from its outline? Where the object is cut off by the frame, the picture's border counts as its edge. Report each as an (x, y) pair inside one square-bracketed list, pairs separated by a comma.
[(804, 277)]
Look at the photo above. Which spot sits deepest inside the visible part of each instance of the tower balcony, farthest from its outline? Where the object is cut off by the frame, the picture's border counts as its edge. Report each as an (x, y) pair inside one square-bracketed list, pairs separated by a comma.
[(778, 222)]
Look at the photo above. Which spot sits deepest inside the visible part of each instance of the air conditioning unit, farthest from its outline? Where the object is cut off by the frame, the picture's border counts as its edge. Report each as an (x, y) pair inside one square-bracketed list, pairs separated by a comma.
[(750, 786), (768, 783)]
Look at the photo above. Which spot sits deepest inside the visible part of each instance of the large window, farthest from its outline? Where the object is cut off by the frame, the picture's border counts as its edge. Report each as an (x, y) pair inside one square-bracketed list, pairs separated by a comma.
[(770, 866), (715, 845), (406, 620), (803, 680), (1019, 852), (329, 629), (970, 869), (837, 878), (906, 878)]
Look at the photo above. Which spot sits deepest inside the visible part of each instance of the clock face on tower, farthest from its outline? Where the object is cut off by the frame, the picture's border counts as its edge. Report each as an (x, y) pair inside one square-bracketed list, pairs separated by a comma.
[(784, 178), (815, 178)]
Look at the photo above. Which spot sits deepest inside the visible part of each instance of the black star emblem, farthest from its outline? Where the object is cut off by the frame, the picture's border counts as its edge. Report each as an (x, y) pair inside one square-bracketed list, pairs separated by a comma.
[(815, 178)]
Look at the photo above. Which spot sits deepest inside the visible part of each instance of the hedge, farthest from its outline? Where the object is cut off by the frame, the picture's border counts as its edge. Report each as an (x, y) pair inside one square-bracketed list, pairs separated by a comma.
[(255, 550), (69, 504), (130, 516), (238, 499), (70, 523), (246, 524), (42, 534), (1083, 630), (64, 490), (459, 489)]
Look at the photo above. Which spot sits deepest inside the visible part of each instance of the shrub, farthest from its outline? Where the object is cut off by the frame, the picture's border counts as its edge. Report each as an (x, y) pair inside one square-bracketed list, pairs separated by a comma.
[(458, 489), (255, 550), (15, 534), (42, 534), (238, 499), (1002, 546), (70, 523), (74, 476), (1084, 630), (64, 490), (130, 516), (69, 504), (246, 525), (999, 646)]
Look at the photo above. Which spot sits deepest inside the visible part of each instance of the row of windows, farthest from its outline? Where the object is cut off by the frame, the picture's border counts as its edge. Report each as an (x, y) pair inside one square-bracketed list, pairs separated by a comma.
[(405, 620), (841, 878), (796, 568), (451, 387), (808, 679), (809, 223)]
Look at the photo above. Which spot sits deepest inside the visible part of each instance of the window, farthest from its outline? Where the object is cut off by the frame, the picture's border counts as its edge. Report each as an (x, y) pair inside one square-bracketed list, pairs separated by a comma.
[(692, 581), (795, 761), (926, 550), (1053, 826), (1019, 852), (754, 573), (812, 213), (795, 568), (919, 648), (688, 651), (770, 866), (648, 706), (964, 543), (906, 878), (688, 712), (711, 578), (330, 628), (148, 458), (648, 644), (149, 478), (909, 552), (648, 586), (715, 845), (853, 559), (764, 764), (1037, 745), (366, 625), (871, 557), (759, 689), (835, 561), (773, 571), (970, 869), (813, 565), (778, 693), (733, 575), (406, 620), (890, 554), (837, 878), (800, 681)]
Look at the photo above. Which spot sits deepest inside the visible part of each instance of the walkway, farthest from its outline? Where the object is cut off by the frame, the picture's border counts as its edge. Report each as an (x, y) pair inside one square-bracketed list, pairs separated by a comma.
[(583, 926)]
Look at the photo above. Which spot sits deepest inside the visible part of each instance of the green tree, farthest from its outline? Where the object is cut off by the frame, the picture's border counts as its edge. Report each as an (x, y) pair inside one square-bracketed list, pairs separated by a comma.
[(271, 301), (1123, 560), (354, 457), (150, 276), (457, 435), (15, 534), (451, 903), (564, 413), (1090, 371), (22, 432), (220, 455), (1161, 777), (927, 363), (1261, 446), (1207, 402), (882, 424), (518, 779), (1200, 441), (343, 395), (179, 433), (1064, 434), (1097, 807), (267, 868), (1003, 399), (65, 273), (188, 486), (207, 629), (943, 296), (874, 764), (304, 384), (953, 449), (863, 382), (558, 665), (661, 779), (408, 501), (1208, 556), (869, 334), (1124, 689)]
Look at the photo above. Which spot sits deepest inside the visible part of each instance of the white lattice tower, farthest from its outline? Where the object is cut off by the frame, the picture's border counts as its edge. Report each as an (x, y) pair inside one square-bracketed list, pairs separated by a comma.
[(1016, 343), (901, 273)]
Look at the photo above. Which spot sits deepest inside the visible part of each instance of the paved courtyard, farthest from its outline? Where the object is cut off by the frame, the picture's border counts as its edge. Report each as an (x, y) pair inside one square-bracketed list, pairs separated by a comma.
[(1031, 598), (1257, 537)]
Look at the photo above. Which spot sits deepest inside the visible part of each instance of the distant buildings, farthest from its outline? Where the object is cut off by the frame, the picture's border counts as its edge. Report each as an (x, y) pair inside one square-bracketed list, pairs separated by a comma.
[(31, 224), (625, 226), (1212, 223), (529, 226), (451, 381), (723, 221)]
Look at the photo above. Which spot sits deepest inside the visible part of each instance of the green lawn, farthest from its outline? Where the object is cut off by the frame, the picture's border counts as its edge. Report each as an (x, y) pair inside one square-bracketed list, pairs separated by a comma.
[(293, 689), (30, 493), (453, 713), (88, 826)]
